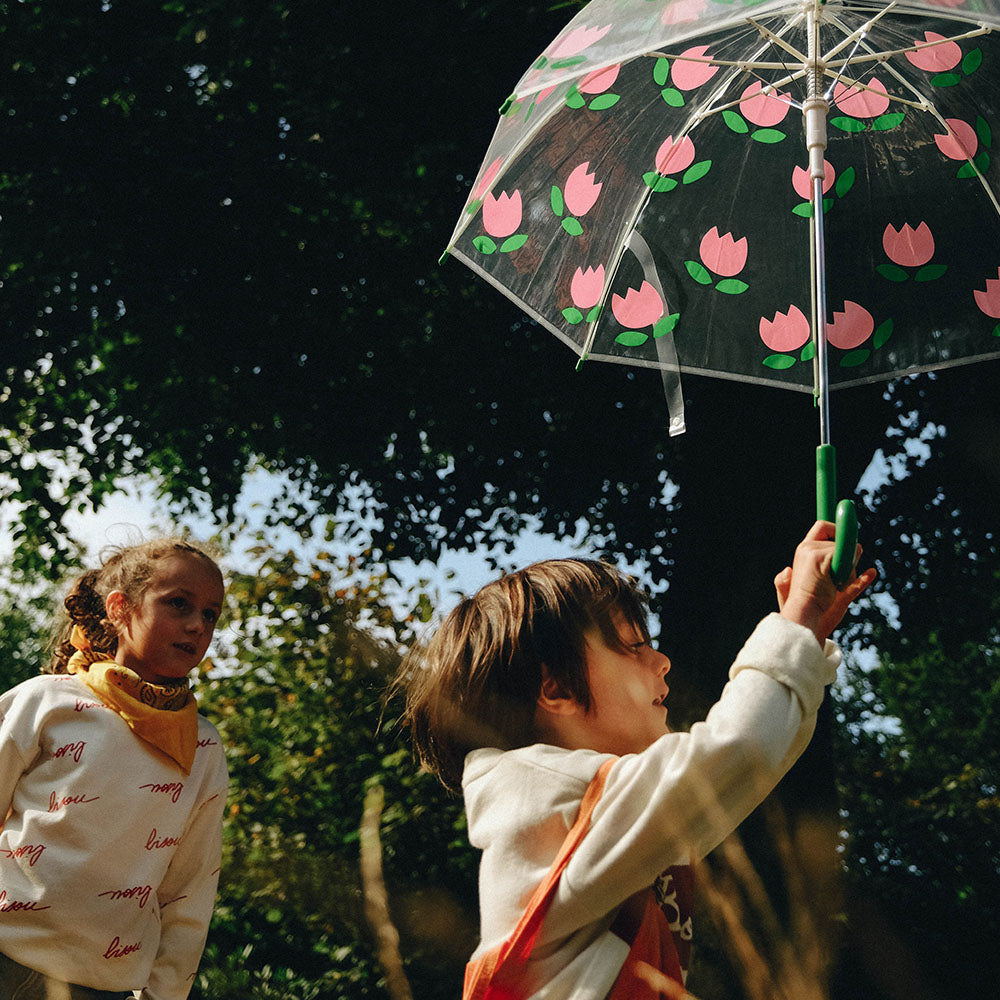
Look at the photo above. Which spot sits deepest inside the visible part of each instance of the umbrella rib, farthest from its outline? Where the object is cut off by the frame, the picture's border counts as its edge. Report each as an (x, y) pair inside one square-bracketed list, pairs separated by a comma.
[(885, 54)]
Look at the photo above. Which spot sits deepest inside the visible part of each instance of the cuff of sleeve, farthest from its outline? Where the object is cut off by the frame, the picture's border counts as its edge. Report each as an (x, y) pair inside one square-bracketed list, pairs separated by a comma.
[(789, 654)]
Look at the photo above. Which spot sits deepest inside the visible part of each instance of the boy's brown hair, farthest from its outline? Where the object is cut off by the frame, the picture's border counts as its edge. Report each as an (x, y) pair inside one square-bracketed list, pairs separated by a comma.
[(477, 681)]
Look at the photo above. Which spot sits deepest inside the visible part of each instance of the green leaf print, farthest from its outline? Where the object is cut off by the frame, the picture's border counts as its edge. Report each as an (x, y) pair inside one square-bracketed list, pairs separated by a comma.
[(572, 226), (484, 244), (808, 352), (572, 315), (666, 325), (732, 286), (556, 200), (882, 334), (846, 124), (930, 272), (844, 182), (779, 362), (661, 71), (769, 136), (855, 358), (658, 182), (631, 338), (696, 171), (673, 97), (983, 132), (698, 271), (972, 61), (892, 272), (604, 101), (885, 122), (736, 122), (513, 243), (945, 79)]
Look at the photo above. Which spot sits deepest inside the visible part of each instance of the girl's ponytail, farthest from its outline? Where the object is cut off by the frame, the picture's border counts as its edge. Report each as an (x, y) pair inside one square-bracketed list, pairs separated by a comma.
[(84, 607)]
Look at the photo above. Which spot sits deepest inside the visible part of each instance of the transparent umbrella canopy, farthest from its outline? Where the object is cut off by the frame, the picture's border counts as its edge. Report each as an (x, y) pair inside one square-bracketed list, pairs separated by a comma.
[(800, 194)]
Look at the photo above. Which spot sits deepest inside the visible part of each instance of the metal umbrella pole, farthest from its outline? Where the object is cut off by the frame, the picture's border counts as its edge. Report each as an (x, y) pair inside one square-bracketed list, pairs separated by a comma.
[(815, 109)]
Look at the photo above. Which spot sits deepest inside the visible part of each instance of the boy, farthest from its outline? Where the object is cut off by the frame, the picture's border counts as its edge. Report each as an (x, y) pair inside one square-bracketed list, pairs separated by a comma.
[(542, 698)]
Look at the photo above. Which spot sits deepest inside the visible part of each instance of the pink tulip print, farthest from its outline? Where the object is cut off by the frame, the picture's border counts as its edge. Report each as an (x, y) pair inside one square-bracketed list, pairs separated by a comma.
[(690, 71), (502, 216), (988, 300), (501, 219), (867, 101), (766, 110), (579, 197), (585, 289), (851, 327), (638, 308), (907, 247), (587, 286), (682, 11), (787, 331), (489, 175), (802, 184), (581, 190), (863, 106), (573, 43), (935, 54), (600, 80), (722, 255), (675, 157), (960, 142)]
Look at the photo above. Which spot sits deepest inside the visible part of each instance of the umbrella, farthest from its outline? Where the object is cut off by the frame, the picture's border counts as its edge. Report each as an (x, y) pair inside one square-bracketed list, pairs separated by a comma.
[(800, 194)]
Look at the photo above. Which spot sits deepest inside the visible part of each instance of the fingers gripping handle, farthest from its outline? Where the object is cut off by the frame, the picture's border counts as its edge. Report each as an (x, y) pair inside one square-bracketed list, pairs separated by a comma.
[(843, 514)]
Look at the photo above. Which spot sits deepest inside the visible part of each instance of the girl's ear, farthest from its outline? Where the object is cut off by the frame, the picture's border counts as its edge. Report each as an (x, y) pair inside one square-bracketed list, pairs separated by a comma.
[(552, 697), (116, 607)]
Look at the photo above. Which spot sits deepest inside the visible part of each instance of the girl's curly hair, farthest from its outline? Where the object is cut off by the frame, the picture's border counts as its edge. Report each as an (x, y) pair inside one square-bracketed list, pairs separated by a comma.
[(129, 569)]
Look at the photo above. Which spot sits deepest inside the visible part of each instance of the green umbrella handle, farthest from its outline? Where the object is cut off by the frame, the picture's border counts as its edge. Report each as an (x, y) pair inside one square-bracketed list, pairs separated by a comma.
[(843, 514)]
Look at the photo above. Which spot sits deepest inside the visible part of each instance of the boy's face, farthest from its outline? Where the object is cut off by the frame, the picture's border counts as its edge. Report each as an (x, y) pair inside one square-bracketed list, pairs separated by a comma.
[(627, 691)]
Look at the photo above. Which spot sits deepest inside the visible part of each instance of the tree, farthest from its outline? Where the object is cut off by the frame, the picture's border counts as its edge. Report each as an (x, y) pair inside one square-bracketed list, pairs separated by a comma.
[(298, 699)]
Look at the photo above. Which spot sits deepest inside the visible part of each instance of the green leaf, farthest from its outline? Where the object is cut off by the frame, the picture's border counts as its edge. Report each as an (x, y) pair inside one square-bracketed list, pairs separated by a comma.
[(983, 131), (885, 122), (855, 358), (568, 61), (572, 226), (474, 206), (661, 71), (965, 171), (696, 171), (572, 315), (513, 243), (803, 209), (892, 273), (882, 334), (556, 200), (604, 101), (698, 271), (666, 325), (846, 124), (996, 330), (930, 272), (484, 244), (658, 182), (732, 286), (808, 352), (945, 80), (673, 97), (574, 99), (845, 182), (735, 121), (594, 314), (972, 61), (769, 136), (982, 161), (779, 362), (631, 338)]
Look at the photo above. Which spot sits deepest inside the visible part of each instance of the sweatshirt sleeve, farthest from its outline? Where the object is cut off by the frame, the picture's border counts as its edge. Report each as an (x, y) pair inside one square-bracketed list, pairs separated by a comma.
[(16, 755), (681, 797), (187, 897)]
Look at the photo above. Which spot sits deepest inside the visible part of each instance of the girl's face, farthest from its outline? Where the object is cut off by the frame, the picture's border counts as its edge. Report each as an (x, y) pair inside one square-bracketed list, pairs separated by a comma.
[(166, 635)]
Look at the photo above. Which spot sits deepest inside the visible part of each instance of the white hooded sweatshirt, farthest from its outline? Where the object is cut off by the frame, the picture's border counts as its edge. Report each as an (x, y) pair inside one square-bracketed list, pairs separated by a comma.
[(675, 801)]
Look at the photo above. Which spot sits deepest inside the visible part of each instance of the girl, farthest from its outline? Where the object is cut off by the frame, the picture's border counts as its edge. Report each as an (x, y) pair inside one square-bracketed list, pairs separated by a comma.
[(113, 789)]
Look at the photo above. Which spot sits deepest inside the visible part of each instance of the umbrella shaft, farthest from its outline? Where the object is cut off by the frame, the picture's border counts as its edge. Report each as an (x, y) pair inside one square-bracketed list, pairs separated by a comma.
[(819, 257)]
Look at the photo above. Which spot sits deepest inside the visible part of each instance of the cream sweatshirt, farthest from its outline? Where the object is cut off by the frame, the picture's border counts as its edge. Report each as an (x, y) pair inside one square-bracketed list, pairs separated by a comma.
[(109, 856), (675, 801)]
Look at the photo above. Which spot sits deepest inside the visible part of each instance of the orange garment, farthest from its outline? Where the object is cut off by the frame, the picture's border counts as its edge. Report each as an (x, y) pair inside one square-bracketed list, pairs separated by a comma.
[(652, 968), (164, 715)]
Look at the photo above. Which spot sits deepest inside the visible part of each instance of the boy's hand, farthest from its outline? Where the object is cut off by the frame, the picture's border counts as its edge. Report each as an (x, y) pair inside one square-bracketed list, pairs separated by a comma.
[(807, 595)]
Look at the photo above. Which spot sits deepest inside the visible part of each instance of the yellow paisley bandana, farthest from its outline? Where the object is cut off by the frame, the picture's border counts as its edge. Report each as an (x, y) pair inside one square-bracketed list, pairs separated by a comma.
[(164, 715)]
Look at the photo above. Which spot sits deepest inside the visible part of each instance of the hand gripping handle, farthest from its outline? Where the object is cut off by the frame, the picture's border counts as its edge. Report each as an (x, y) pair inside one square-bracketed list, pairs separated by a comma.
[(845, 517)]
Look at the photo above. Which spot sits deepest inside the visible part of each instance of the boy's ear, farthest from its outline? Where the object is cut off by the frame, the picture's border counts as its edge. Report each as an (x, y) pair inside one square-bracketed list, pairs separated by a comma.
[(553, 698)]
